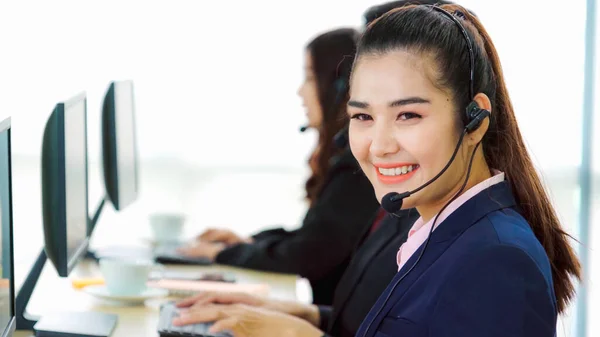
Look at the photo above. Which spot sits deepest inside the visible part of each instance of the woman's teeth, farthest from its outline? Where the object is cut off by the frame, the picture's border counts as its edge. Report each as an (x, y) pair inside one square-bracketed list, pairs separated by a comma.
[(396, 171)]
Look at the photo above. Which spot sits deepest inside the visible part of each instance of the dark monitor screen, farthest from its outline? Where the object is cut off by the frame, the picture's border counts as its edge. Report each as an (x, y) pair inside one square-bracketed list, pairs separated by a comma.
[(64, 184), (7, 324), (119, 144)]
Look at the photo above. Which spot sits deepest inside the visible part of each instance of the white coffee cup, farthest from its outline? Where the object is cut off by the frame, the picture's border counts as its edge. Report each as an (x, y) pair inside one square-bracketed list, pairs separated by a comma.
[(126, 277), (167, 227)]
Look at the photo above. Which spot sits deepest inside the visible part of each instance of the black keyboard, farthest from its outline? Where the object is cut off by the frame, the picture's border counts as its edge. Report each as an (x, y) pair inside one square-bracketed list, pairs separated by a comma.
[(169, 255), (168, 311)]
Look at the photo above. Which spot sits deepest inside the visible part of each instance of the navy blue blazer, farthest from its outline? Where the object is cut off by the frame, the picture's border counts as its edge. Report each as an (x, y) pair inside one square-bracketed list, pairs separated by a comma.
[(484, 273)]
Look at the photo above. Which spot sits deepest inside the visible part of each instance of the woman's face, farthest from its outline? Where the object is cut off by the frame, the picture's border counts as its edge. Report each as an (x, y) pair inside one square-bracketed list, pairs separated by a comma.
[(309, 93), (403, 129)]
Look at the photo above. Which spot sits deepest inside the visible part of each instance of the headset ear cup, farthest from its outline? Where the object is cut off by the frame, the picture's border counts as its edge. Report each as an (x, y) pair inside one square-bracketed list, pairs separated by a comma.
[(340, 140), (472, 111), (341, 87), (476, 122), (475, 116)]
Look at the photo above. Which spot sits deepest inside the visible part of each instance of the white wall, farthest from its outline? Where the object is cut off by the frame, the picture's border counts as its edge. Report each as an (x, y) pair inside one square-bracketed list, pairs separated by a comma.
[(210, 76)]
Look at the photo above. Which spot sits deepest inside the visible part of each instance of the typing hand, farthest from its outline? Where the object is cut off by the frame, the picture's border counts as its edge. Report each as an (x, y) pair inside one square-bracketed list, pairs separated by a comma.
[(202, 249), (309, 313), (208, 297), (222, 235), (247, 321)]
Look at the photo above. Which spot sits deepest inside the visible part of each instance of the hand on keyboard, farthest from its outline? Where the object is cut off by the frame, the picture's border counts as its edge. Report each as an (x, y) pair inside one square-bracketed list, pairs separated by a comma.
[(169, 312), (208, 297), (307, 312), (222, 235), (246, 321), (203, 249)]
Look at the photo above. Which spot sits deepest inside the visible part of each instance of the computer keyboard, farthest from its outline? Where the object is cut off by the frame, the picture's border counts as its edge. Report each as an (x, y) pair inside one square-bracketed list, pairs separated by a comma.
[(168, 254), (168, 312), (162, 254)]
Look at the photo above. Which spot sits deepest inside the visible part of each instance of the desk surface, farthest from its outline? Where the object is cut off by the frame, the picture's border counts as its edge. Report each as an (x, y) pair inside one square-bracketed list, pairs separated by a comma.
[(54, 294)]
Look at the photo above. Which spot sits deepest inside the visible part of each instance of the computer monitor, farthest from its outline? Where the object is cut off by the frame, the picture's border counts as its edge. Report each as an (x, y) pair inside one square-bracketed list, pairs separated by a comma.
[(7, 284), (119, 145), (119, 155), (121, 166), (64, 184), (65, 219)]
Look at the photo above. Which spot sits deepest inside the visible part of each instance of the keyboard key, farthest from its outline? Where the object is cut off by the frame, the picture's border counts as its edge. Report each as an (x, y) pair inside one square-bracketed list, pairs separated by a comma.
[(165, 328)]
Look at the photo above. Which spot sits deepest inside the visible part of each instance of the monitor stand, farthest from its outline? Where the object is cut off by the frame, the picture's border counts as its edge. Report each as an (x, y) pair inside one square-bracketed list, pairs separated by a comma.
[(115, 251), (88, 324)]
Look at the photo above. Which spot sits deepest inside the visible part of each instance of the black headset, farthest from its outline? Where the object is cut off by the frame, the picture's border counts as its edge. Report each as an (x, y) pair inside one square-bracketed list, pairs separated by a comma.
[(475, 114), (474, 117)]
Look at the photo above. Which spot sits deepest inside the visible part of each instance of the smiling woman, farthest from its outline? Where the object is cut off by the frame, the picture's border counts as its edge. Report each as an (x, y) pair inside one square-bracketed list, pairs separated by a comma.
[(425, 142), (432, 123)]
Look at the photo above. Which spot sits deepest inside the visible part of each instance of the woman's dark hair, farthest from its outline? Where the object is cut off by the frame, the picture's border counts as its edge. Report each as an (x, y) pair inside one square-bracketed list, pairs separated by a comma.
[(435, 37), (377, 11), (332, 56)]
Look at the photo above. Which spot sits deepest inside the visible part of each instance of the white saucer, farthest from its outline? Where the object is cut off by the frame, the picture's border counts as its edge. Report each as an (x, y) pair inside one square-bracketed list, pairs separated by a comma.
[(102, 292)]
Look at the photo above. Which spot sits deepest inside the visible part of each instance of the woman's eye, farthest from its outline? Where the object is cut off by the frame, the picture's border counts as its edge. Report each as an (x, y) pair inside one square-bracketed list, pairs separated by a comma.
[(361, 117), (408, 115)]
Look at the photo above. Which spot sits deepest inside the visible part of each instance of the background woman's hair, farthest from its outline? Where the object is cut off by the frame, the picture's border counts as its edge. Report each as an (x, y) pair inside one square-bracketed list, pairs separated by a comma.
[(420, 29), (332, 56)]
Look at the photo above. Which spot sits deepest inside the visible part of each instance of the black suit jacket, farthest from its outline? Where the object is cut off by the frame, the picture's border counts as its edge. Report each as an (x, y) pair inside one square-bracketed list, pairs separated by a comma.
[(321, 248), (368, 274)]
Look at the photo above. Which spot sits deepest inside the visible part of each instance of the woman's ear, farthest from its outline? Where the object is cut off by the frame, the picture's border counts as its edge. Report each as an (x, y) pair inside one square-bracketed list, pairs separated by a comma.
[(483, 102)]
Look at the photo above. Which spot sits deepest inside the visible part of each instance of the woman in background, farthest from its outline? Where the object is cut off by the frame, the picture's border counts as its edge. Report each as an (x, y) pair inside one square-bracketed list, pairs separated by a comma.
[(341, 199)]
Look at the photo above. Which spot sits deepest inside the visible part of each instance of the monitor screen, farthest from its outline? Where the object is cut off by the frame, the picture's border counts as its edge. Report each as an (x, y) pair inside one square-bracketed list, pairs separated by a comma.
[(64, 184), (126, 146), (119, 146), (75, 177), (6, 249)]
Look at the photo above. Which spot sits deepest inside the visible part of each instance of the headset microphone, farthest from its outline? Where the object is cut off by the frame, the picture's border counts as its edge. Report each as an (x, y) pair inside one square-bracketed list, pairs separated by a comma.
[(392, 202)]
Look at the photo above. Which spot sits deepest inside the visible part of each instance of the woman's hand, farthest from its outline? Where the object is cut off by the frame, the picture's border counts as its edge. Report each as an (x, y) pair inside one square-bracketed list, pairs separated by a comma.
[(207, 297), (222, 235), (208, 250), (246, 321), (309, 313)]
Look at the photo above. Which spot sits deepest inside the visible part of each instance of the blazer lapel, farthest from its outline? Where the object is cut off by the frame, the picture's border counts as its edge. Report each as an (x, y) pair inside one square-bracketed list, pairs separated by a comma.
[(358, 266), (390, 229), (489, 200)]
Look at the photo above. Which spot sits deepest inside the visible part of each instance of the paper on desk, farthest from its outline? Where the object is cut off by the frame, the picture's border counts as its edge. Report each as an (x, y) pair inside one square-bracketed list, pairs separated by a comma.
[(185, 285)]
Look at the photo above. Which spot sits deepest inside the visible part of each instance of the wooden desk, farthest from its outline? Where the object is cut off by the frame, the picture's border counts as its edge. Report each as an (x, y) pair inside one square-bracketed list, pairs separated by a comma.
[(54, 294)]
